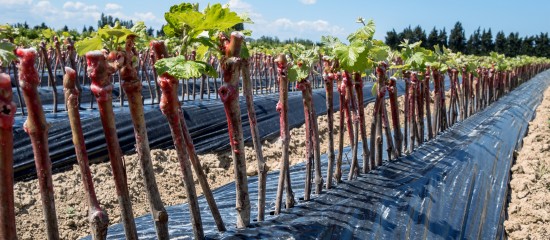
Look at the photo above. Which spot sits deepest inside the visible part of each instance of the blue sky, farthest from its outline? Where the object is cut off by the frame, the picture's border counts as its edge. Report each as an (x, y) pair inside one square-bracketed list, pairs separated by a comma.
[(309, 19)]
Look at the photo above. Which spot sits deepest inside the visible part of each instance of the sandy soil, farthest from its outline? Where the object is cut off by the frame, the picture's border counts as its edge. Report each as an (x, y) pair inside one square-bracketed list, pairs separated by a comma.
[(70, 199), (529, 207)]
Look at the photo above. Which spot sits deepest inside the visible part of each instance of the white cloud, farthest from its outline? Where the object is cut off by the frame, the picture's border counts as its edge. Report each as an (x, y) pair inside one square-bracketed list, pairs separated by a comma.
[(136, 16), (79, 6), (148, 16), (308, 2), (74, 11), (14, 2), (44, 8), (303, 26), (112, 7), (244, 8), (284, 28)]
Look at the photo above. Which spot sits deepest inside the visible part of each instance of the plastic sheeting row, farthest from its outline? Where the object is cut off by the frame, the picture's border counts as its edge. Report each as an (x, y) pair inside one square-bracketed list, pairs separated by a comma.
[(205, 119), (454, 187)]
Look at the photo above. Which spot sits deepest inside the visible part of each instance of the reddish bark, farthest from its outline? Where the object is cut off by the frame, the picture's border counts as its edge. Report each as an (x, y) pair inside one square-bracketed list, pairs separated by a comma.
[(419, 109), (436, 120), (358, 84), (390, 146), (262, 166), (406, 128), (376, 126), (392, 90), (312, 141), (352, 121), (465, 94), (51, 77), (442, 102), (413, 87), (229, 95), (159, 51), (99, 72), (99, 221), (170, 101), (329, 77), (478, 84), (306, 100), (282, 108), (427, 102), (37, 128), (7, 111), (71, 53), (169, 106), (339, 157), (132, 87)]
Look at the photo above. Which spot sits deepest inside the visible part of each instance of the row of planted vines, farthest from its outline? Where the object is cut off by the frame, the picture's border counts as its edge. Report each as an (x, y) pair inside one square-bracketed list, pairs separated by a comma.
[(56, 51), (201, 46)]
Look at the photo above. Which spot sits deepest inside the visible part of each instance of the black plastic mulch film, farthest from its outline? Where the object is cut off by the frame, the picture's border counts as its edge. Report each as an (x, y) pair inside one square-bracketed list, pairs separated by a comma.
[(452, 187), (206, 121)]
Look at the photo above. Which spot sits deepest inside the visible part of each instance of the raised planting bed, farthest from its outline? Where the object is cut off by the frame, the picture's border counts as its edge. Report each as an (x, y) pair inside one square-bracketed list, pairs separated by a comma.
[(454, 186)]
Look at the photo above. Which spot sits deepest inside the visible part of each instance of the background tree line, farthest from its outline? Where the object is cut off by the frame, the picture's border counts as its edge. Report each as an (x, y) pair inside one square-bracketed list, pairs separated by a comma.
[(480, 42)]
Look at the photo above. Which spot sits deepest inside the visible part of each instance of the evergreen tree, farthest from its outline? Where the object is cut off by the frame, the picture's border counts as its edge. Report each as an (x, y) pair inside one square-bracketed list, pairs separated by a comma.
[(160, 32), (41, 26), (442, 38), (457, 39), (392, 39), (407, 33), (527, 46), (420, 35), (486, 42), (500, 43), (473, 46), (513, 45), (542, 45), (109, 20), (150, 31), (433, 38)]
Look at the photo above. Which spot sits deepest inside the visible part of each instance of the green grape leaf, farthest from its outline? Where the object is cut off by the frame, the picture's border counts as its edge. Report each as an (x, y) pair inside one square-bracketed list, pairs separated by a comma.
[(297, 73), (202, 52), (120, 33), (48, 33), (379, 53), (6, 53), (245, 53), (364, 33), (217, 17), (89, 44), (169, 30), (330, 42), (247, 32), (184, 7), (204, 41), (352, 57), (184, 69), (139, 29), (178, 20), (417, 58)]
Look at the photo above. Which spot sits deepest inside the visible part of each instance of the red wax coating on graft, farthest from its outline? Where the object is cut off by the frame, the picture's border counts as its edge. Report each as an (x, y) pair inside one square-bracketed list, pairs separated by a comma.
[(7, 107), (99, 72), (27, 71)]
